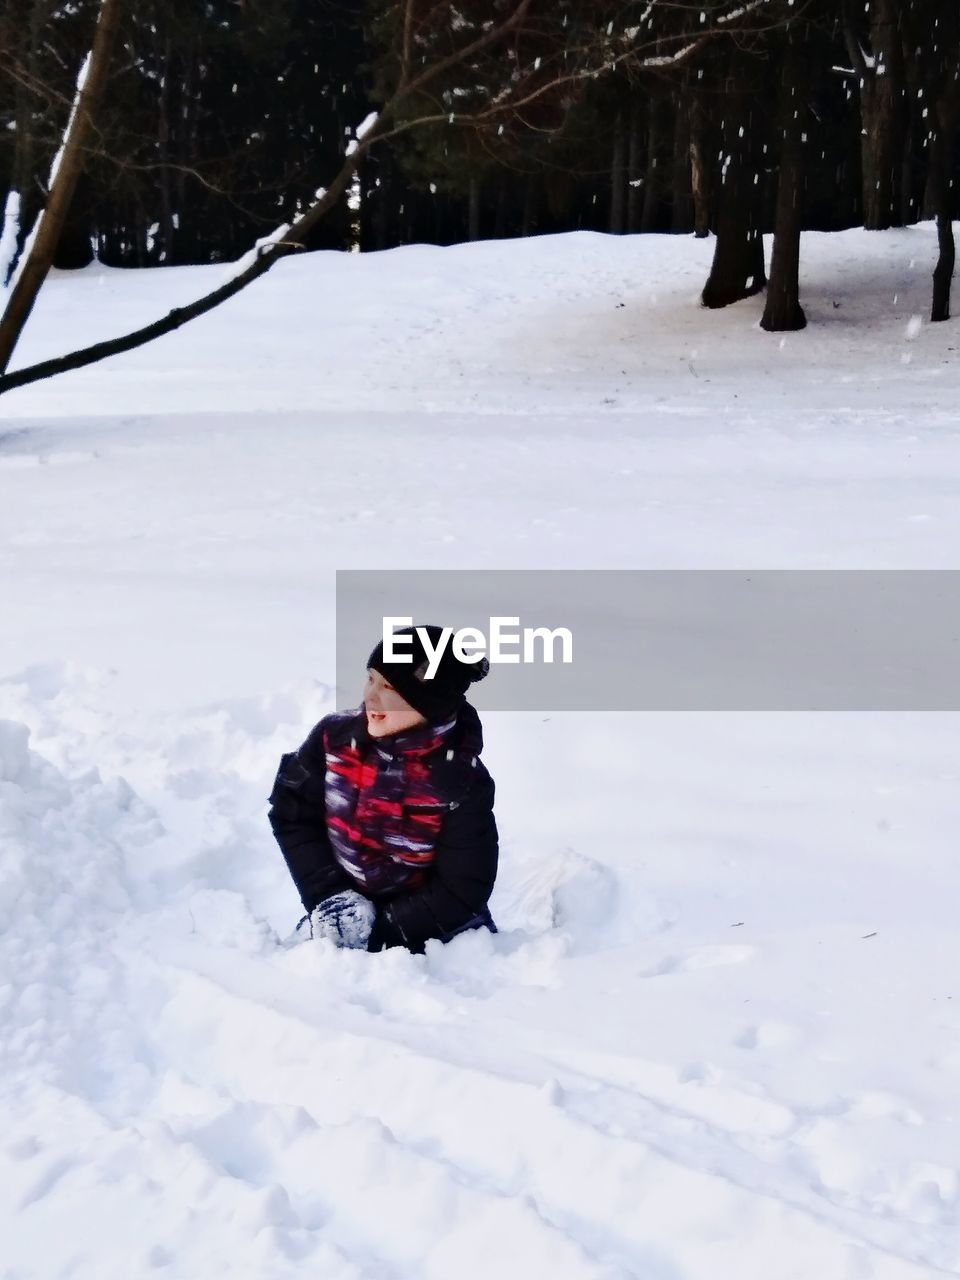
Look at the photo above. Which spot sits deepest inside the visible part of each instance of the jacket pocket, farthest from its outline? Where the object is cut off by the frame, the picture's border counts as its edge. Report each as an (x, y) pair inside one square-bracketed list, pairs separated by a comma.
[(290, 776)]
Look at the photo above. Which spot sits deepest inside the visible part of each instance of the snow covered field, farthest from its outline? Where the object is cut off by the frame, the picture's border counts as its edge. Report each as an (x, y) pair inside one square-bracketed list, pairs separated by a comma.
[(719, 1035)]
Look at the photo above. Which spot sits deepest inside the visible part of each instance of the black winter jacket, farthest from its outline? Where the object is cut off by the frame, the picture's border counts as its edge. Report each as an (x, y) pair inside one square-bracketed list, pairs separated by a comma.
[(458, 882)]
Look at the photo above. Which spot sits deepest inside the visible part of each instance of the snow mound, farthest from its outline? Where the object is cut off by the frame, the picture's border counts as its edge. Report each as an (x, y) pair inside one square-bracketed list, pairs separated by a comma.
[(64, 840), (583, 899), (64, 890)]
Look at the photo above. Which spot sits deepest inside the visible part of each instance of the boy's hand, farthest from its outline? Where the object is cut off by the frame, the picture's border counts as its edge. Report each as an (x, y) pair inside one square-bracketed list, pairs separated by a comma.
[(347, 919)]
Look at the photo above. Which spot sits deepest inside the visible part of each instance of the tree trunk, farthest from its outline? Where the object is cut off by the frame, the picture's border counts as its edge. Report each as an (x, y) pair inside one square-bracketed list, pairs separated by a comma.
[(653, 186), (473, 212), (911, 185), (682, 211), (699, 183), (38, 262), (882, 108), (186, 245), (74, 248), (25, 183), (618, 178), (529, 221), (941, 149), (738, 268), (915, 27), (383, 201), (634, 176), (500, 209), (783, 311), (167, 224), (943, 272)]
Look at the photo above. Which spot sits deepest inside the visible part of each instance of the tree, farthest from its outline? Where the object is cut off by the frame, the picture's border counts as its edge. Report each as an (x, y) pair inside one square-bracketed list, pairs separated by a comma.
[(42, 43), (800, 56), (415, 75), (783, 310), (942, 94), (874, 38), (738, 269), (38, 256), (529, 58)]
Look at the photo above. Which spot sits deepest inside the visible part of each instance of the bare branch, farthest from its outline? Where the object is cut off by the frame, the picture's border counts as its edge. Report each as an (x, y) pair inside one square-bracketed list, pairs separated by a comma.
[(407, 41)]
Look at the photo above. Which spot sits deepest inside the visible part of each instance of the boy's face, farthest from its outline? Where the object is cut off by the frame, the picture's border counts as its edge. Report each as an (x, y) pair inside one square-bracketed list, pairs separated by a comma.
[(387, 712)]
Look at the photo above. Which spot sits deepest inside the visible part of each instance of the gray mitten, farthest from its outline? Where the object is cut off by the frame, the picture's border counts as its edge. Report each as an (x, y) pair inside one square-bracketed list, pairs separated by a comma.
[(346, 919)]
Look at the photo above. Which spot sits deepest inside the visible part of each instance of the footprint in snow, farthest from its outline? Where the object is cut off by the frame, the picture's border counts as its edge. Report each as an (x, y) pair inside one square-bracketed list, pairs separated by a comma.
[(710, 957), (766, 1035)]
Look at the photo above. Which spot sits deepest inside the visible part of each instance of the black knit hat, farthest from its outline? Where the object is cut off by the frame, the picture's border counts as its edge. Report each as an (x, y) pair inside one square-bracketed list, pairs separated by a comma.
[(437, 698)]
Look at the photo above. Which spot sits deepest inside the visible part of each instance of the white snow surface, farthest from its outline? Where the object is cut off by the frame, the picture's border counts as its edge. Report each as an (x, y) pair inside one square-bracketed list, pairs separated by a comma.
[(718, 1035)]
